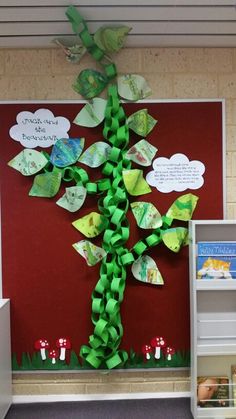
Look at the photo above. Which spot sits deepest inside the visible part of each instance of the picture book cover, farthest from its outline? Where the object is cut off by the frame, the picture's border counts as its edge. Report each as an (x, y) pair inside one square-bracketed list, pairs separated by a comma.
[(212, 391), (216, 260), (233, 377)]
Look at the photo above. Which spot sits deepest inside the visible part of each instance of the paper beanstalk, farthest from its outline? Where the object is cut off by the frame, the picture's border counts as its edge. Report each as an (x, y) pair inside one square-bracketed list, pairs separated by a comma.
[(120, 180)]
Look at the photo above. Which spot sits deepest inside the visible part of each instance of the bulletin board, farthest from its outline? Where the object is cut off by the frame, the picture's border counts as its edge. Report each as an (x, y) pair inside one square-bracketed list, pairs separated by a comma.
[(50, 285)]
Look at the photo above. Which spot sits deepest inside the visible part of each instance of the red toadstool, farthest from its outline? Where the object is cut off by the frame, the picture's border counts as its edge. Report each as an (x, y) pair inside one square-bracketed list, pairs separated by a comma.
[(41, 345), (169, 352), (53, 355), (158, 342), (63, 344), (146, 350)]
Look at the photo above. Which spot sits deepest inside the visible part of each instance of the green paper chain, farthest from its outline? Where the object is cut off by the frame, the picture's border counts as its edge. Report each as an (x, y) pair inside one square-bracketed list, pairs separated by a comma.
[(80, 27), (108, 294), (109, 291)]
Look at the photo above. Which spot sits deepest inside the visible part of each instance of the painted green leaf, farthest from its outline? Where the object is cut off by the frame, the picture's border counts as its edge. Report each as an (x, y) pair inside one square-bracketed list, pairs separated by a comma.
[(90, 83), (96, 154), (66, 151), (175, 238), (135, 183), (133, 87), (141, 122), (146, 215), (145, 270), (28, 162), (92, 114), (142, 153), (91, 225), (183, 207), (91, 253), (46, 185), (111, 39), (71, 48), (73, 199)]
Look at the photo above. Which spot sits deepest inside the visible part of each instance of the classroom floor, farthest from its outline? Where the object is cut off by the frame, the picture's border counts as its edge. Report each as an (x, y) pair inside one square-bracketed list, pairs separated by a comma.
[(178, 408)]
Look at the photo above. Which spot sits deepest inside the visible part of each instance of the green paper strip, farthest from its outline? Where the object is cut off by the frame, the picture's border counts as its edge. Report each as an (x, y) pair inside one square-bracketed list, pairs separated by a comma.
[(103, 185), (107, 169), (91, 187), (153, 239), (127, 259), (140, 247)]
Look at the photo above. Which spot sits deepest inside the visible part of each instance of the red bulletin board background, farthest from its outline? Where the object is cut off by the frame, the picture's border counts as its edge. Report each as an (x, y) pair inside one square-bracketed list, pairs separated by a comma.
[(49, 283)]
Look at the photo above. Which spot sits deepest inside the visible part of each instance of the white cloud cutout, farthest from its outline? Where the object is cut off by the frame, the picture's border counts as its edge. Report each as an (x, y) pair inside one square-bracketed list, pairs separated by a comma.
[(176, 174), (39, 129)]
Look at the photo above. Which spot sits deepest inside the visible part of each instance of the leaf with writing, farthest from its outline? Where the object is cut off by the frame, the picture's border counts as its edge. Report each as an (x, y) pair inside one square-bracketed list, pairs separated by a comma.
[(91, 253), (66, 151), (28, 162), (142, 153), (111, 39), (73, 199)]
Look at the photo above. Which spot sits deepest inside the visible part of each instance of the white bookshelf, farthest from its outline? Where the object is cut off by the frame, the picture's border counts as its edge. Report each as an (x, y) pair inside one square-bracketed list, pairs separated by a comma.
[(213, 319), (5, 358)]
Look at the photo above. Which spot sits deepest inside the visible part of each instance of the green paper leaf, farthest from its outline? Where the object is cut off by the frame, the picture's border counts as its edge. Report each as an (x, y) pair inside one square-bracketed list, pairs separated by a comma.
[(91, 253), (91, 225), (142, 153), (133, 87), (28, 162), (46, 185), (73, 199), (90, 83), (66, 151), (141, 122), (135, 183), (146, 215), (92, 114), (183, 207), (71, 48), (145, 270), (111, 39), (175, 238), (96, 154)]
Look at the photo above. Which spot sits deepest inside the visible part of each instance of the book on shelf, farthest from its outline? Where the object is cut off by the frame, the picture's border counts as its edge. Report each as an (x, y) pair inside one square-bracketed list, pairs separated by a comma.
[(216, 260), (212, 391), (233, 378)]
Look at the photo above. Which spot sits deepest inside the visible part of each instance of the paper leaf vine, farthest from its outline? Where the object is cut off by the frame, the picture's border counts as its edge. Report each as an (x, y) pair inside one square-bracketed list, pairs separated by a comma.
[(118, 182)]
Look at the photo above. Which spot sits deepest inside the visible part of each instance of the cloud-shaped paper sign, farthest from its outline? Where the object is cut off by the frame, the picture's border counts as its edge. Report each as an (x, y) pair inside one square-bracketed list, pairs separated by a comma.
[(176, 174), (39, 129)]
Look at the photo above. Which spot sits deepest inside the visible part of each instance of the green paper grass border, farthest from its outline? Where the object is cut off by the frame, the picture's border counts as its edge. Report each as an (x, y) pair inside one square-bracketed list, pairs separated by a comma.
[(34, 362)]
